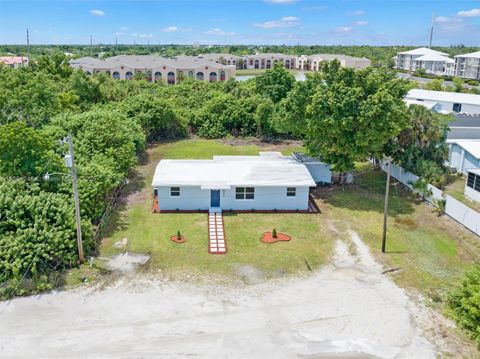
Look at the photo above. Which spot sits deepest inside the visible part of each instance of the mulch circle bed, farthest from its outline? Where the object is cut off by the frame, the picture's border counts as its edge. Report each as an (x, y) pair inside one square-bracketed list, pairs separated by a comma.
[(182, 239), (267, 237)]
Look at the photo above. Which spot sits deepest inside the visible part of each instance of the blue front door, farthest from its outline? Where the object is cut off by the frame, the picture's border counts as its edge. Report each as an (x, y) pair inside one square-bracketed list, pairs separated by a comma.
[(215, 198)]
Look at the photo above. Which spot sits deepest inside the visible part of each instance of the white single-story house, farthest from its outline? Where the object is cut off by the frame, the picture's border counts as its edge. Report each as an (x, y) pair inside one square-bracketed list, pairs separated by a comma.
[(464, 155), (268, 182), (446, 102), (472, 185)]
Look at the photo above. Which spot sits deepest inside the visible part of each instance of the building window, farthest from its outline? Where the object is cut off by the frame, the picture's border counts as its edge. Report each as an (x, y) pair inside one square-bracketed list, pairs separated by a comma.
[(245, 193), (175, 191), (457, 107), (213, 76), (190, 74), (171, 78), (473, 181), (200, 76), (116, 75), (129, 75), (291, 191), (158, 76)]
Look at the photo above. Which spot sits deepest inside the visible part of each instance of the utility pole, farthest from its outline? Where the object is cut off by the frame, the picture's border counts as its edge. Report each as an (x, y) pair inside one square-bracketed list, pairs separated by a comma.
[(116, 43), (28, 48), (431, 30), (91, 46), (81, 256), (385, 207)]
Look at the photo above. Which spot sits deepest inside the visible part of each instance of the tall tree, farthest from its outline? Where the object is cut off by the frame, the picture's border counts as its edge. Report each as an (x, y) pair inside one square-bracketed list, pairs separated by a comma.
[(275, 83)]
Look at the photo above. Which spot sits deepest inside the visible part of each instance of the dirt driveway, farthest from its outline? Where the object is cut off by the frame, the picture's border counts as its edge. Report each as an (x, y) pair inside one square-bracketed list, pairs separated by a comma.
[(348, 309)]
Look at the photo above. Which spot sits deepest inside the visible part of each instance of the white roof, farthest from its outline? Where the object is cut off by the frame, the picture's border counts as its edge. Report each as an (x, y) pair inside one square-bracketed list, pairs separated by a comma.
[(471, 146), (434, 57), (427, 104), (472, 54), (224, 172), (422, 51), (444, 96)]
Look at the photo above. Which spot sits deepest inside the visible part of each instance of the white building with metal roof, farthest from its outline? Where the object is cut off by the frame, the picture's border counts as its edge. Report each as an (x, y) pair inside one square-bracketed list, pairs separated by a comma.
[(268, 182), (446, 102)]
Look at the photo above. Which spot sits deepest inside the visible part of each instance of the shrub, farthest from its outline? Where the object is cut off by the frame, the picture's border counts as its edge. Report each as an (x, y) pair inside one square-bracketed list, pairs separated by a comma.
[(465, 303), (274, 233), (179, 235)]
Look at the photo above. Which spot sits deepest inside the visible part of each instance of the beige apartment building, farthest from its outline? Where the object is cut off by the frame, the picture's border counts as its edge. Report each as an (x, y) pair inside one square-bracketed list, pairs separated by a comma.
[(312, 62), (156, 68)]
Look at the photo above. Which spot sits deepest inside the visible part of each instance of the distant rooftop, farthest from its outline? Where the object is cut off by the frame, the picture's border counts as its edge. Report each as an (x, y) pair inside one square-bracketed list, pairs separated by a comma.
[(472, 54), (422, 51)]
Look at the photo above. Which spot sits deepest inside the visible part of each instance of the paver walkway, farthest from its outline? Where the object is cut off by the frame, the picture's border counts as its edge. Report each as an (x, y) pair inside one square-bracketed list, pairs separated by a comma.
[(216, 234)]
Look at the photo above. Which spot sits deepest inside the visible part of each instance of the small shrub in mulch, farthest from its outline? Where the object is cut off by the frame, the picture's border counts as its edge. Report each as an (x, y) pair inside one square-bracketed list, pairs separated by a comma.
[(269, 238), (178, 238)]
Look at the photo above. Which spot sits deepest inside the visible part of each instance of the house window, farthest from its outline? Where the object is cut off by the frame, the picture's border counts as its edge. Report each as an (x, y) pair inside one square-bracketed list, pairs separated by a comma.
[(245, 193), (457, 107), (291, 191), (175, 191), (473, 181)]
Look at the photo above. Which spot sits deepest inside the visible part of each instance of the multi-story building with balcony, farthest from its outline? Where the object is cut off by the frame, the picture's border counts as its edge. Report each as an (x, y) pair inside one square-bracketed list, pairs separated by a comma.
[(431, 61), (468, 65)]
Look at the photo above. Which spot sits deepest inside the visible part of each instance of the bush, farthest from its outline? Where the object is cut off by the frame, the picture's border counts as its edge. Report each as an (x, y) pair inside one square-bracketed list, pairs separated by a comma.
[(274, 233), (465, 303)]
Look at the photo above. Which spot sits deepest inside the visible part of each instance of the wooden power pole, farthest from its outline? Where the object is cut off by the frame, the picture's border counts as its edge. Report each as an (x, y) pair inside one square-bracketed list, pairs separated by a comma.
[(81, 256), (385, 207)]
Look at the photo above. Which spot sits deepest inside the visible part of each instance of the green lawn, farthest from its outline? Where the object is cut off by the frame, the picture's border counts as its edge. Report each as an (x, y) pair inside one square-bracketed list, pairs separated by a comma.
[(432, 252)]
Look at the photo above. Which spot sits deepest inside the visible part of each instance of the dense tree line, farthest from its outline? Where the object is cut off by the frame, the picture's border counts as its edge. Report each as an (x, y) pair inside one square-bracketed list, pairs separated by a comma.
[(380, 55), (342, 114)]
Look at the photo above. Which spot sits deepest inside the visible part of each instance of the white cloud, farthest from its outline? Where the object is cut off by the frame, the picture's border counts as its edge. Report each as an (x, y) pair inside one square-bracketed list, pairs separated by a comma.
[(218, 31), (469, 13), (145, 36), (356, 13), (123, 28), (119, 33), (441, 19), (170, 29), (360, 23), (97, 12), (280, 1), (286, 21), (343, 29), (134, 34)]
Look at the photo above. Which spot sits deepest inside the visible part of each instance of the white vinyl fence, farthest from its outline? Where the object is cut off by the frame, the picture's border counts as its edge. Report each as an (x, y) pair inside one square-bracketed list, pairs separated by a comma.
[(453, 208)]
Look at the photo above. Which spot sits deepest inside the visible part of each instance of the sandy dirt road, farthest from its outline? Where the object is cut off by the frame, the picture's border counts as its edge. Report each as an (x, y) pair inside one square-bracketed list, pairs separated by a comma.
[(345, 310)]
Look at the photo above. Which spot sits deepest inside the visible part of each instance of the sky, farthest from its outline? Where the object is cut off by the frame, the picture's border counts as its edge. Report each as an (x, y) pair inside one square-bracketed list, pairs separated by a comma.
[(253, 22)]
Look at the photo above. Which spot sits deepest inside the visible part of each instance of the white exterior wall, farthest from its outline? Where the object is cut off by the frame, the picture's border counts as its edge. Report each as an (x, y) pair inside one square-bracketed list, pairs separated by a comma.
[(266, 198), (448, 106), (471, 193), (191, 198)]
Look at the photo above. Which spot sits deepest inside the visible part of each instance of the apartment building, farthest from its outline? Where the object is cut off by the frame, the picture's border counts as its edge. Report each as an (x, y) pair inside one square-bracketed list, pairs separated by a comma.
[(156, 68), (468, 65), (312, 62), (303, 62), (433, 62)]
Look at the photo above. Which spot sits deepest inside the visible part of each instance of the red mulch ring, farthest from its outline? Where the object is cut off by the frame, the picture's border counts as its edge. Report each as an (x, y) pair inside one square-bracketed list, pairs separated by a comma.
[(267, 237), (178, 240)]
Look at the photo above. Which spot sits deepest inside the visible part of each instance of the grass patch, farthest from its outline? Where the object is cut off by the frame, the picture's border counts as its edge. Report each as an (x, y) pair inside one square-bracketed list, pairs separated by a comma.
[(432, 252)]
